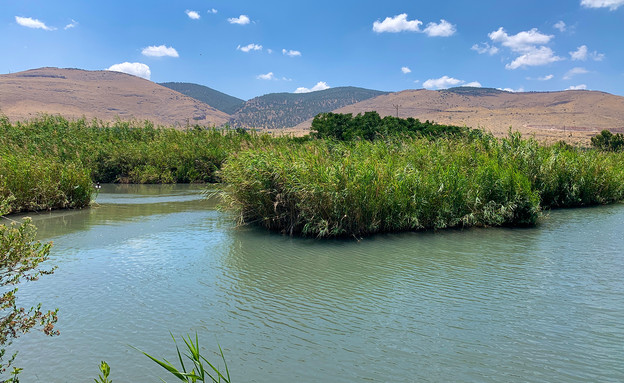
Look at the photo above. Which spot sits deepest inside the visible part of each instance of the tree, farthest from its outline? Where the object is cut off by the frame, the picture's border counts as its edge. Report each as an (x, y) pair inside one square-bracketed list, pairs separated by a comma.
[(20, 257), (608, 141)]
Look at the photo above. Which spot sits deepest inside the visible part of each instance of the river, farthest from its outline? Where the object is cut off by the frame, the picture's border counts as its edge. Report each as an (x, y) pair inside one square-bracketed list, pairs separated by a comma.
[(543, 304)]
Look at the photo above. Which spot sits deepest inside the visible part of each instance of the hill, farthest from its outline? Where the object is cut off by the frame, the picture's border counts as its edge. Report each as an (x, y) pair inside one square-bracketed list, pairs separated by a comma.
[(573, 115), (221, 101), (285, 110), (106, 95)]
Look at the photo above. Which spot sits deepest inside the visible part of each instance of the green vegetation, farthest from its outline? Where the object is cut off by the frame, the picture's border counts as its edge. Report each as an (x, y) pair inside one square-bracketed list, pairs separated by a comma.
[(370, 126), (199, 372), (329, 188), (284, 110), (20, 258), (608, 141), (214, 98), (356, 175)]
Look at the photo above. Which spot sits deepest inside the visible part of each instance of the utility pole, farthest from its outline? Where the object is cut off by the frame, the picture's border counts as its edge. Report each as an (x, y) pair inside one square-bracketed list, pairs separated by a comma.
[(397, 106)]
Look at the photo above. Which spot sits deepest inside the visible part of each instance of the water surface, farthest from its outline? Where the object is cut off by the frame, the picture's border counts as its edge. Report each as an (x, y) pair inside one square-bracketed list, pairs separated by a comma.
[(481, 305)]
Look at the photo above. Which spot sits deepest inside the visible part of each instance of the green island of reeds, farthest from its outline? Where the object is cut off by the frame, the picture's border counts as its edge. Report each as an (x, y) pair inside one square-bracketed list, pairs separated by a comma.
[(353, 176)]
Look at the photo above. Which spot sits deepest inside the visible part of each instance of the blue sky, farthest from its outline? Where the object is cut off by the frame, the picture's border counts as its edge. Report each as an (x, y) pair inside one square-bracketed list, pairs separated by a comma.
[(250, 48)]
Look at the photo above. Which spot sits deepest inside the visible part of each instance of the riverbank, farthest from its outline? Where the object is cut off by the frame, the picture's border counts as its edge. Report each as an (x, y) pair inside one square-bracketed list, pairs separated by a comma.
[(322, 187)]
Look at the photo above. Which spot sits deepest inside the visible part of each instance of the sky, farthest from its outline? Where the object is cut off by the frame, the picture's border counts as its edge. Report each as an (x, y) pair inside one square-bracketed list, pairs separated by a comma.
[(250, 48)]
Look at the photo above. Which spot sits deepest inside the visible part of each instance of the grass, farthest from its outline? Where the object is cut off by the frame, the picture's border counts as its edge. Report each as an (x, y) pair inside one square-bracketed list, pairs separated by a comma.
[(328, 189)]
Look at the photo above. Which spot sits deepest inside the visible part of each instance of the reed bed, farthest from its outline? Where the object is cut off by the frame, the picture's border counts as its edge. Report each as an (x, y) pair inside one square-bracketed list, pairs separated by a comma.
[(128, 152), (327, 189), (33, 183)]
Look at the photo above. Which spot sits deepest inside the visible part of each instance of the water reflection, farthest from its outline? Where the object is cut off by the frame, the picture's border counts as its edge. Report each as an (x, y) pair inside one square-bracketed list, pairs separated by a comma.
[(487, 305)]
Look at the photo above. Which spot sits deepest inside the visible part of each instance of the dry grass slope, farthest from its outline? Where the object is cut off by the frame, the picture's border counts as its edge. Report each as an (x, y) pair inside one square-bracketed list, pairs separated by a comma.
[(573, 116), (106, 95)]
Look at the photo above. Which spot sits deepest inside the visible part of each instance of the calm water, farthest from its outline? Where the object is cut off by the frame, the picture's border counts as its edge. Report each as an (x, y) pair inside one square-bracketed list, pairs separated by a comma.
[(496, 305)]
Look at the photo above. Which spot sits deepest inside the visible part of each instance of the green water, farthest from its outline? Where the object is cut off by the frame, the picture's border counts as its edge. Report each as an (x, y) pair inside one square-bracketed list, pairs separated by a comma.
[(486, 305)]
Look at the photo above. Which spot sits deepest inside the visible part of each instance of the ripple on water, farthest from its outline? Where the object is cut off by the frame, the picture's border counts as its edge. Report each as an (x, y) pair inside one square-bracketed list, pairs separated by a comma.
[(530, 305)]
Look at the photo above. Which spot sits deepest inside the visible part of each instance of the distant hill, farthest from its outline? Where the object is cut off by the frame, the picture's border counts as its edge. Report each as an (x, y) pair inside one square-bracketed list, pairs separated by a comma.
[(285, 110), (106, 95), (573, 115), (221, 101)]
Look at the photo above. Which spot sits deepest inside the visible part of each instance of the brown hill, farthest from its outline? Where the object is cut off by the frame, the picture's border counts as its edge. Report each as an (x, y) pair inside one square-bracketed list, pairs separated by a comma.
[(106, 95), (573, 116)]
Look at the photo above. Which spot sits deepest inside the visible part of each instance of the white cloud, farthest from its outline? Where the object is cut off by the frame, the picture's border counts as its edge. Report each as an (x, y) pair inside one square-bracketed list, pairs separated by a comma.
[(535, 57), (546, 78), (580, 54), (444, 29), (268, 76), (442, 82), (398, 23), (485, 48), (249, 47), (192, 14), (521, 42), (136, 69), (611, 4), (474, 84), (159, 51), (212, 11), (573, 72), (577, 87), (291, 53), (241, 20), (270, 50), (521, 89), (560, 25), (406, 70), (29, 22), (73, 24), (321, 85)]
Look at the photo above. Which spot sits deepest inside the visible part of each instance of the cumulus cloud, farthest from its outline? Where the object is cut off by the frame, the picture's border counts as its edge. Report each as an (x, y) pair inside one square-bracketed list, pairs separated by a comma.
[(529, 44), (447, 82), (192, 14), (573, 72), (73, 24), (443, 29), (321, 85), (512, 90), (521, 42), (485, 48), (249, 48), (212, 11), (241, 20), (534, 57), (291, 53), (582, 53), (611, 4), (398, 23), (406, 70), (29, 22), (560, 25), (577, 87), (268, 76), (135, 69), (442, 82), (159, 51)]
